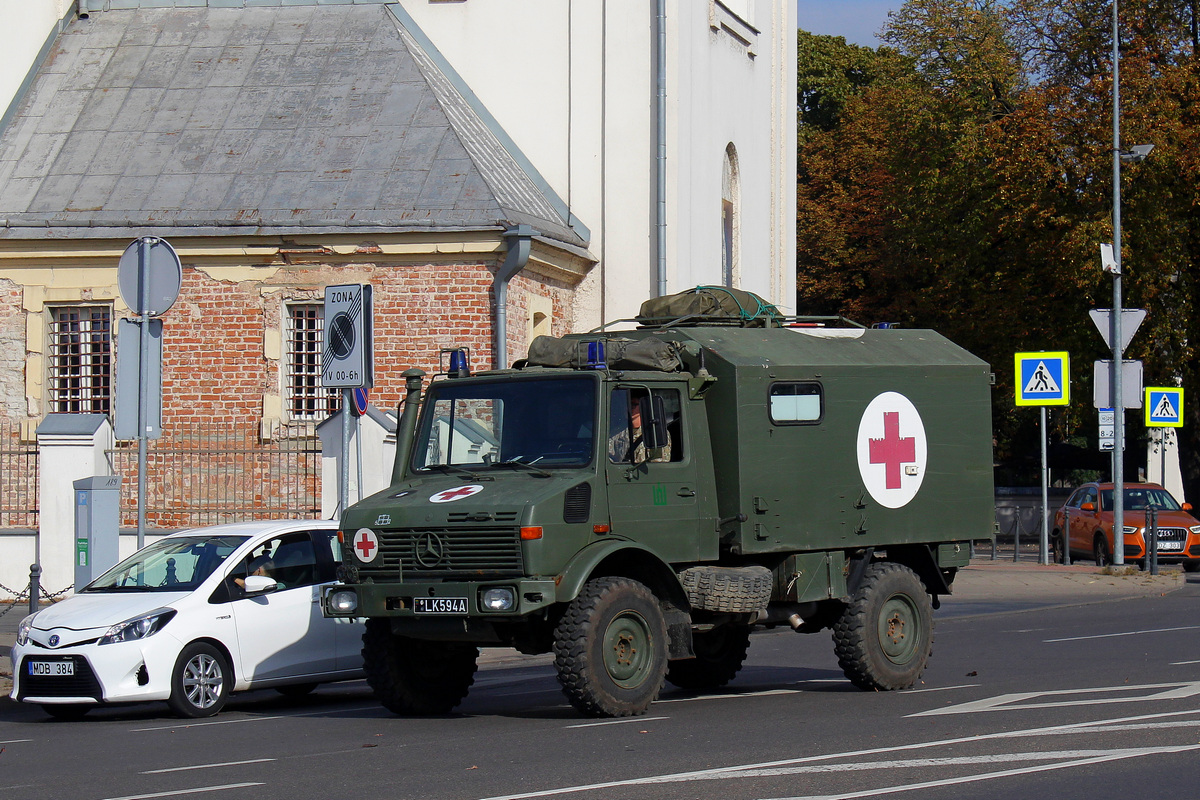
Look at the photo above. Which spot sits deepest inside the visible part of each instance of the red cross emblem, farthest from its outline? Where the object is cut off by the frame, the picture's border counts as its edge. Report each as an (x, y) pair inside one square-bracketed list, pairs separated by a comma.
[(893, 451), (450, 495), (365, 544)]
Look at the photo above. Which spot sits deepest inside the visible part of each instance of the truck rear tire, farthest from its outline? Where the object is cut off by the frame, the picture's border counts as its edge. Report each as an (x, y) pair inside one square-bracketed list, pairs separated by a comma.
[(412, 676), (719, 656), (884, 638), (610, 648)]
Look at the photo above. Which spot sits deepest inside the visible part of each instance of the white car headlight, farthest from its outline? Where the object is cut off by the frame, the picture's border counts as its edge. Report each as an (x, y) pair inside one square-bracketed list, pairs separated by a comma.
[(1195, 529), (23, 629), (141, 627), (1128, 529)]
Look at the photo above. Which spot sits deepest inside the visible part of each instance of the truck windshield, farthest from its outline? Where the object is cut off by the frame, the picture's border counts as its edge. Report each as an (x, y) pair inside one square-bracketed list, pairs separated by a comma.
[(546, 422)]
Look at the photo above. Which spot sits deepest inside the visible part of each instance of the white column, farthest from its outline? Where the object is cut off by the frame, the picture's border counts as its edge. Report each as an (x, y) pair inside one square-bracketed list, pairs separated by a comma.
[(70, 447)]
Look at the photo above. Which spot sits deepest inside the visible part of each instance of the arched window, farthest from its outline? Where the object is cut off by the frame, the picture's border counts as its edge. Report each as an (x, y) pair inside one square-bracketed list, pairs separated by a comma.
[(730, 272)]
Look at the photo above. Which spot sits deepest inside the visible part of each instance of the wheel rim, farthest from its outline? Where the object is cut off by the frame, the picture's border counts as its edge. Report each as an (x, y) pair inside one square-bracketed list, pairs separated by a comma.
[(202, 681), (628, 649), (899, 629)]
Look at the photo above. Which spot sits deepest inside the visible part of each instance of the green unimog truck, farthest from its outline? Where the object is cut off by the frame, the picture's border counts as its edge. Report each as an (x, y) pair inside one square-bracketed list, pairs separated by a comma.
[(638, 501)]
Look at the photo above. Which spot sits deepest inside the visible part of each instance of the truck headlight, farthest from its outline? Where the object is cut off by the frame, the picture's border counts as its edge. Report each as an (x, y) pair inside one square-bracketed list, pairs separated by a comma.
[(497, 599), (23, 629), (343, 602), (139, 627)]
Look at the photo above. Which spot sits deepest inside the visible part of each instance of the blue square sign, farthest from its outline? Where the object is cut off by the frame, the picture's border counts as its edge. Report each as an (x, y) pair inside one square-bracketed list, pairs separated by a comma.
[(1043, 379), (1164, 407)]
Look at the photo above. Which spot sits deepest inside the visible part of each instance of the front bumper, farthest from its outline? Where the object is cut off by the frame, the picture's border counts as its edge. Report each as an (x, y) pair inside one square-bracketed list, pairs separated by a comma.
[(398, 600), (124, 672)]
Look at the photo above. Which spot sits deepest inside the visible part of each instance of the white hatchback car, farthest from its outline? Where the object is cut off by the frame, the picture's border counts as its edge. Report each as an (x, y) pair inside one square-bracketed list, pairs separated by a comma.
[(189, 619)]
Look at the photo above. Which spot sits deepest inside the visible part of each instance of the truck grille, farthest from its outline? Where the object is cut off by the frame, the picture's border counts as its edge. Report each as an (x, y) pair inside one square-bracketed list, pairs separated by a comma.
[(444, 552)]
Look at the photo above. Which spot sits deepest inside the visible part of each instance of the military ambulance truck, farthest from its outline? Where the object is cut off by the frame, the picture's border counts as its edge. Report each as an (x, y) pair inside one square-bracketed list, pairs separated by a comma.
[(637, 502)]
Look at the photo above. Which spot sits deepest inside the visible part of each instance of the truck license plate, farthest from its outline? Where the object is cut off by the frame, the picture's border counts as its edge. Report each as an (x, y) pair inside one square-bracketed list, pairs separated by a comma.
[(440, 605), (52, 668)]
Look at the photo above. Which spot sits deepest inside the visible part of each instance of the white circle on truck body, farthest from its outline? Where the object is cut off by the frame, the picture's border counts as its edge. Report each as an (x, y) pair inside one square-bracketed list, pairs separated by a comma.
[(366, 544), (892, 450)]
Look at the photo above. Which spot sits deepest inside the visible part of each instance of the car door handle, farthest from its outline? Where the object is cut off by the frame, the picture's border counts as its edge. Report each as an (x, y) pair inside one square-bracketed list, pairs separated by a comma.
[(686, 492)]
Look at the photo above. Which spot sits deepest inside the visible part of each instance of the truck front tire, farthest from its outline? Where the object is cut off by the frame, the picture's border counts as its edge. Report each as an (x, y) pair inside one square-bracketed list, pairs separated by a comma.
[(884, 638), (719, 655), (611, 648), (412, 676)]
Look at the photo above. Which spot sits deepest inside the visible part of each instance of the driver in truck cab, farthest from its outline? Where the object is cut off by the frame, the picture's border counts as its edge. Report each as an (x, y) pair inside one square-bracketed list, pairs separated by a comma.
[(626, 442)]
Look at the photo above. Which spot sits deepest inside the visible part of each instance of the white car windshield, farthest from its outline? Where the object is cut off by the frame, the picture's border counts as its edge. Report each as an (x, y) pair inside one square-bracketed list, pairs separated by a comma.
[(175, 564)]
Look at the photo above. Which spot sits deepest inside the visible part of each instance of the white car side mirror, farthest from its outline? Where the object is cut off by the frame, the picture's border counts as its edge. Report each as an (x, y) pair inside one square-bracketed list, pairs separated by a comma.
[(260, 584)]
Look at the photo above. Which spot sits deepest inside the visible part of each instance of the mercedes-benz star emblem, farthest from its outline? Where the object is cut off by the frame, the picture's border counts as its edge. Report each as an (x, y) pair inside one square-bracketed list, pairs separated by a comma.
[(429, 550)]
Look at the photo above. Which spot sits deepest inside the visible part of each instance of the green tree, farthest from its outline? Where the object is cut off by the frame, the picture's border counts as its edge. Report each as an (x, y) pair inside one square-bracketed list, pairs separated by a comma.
[(966, 184)]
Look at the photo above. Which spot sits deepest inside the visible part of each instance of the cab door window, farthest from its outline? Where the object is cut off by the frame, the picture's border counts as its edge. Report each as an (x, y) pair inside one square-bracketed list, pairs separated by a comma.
[(629, 414)]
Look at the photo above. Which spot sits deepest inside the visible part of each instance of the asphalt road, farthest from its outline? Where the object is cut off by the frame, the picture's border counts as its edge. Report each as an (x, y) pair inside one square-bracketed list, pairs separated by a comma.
[(1062, 701)]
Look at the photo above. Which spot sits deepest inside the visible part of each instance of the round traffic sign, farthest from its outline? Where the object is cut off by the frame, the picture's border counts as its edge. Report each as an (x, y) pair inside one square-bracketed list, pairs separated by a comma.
[(149, 275), (362, 397)]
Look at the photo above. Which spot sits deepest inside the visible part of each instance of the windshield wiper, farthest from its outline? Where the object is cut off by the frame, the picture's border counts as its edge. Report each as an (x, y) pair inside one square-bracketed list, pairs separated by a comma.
[(450, 468), (517, 462), (132, 587)]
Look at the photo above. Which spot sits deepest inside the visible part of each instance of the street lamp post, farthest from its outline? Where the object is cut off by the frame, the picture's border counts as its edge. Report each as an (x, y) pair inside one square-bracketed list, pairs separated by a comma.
[(1118, 398)]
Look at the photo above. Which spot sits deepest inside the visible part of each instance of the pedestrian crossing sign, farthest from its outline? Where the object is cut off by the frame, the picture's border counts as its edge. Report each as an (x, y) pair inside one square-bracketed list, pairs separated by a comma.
[(1043, 379), (1164, 407)]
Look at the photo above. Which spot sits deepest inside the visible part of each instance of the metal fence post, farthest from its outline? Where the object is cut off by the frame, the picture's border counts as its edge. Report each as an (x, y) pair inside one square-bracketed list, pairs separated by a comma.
[(35, 586), (1152, 542)]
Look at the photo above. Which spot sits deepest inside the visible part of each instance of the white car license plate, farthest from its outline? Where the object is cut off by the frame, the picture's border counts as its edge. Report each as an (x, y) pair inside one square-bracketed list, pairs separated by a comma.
[(52, 669), (440, 605), (1169, 545)]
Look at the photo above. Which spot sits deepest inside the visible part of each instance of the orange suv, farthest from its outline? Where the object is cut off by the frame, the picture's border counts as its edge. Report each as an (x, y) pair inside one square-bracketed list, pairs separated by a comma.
[(1090, 514)]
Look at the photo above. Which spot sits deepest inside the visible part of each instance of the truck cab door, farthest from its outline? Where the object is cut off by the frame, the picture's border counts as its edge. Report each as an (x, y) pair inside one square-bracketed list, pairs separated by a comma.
[(655, 495)]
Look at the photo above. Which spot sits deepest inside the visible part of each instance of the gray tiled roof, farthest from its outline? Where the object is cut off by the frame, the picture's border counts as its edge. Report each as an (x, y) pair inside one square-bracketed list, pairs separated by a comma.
[(254, 119)]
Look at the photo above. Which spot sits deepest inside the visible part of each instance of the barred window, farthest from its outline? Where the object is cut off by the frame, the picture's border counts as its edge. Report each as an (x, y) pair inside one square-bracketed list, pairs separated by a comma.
[(80, 363), (304, 397)]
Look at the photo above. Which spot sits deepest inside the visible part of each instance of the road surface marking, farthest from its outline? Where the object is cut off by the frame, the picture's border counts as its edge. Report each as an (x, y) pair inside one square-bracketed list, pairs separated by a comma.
[(197, 790), (1182, 663), (679, 777), (16, 741), (1123, 633), (324, 712), (207, 766), (941, 688), (1115, 755), (616, 722), (731, 695), (1016, 700)]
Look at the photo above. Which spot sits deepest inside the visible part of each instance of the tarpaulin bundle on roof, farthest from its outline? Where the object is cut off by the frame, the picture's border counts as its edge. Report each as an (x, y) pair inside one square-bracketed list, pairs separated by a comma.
[(708, 304)]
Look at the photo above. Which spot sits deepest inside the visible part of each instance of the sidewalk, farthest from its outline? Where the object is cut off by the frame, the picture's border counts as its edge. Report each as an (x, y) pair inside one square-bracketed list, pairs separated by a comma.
[(983, 587)]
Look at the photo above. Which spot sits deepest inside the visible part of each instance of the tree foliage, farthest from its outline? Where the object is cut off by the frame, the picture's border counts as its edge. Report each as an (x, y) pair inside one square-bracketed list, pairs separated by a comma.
[(960, 178)]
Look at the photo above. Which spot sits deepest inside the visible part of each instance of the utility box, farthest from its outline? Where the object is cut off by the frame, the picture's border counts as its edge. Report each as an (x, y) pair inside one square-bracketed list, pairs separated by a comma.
[(97, 525)]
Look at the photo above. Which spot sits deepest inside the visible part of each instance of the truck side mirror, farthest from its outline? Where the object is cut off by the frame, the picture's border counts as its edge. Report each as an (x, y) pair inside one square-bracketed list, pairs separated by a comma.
[(655, 426)]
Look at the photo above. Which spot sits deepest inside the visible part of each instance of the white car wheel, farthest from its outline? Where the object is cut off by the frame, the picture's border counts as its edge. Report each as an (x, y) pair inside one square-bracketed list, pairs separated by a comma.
[(200, 683)]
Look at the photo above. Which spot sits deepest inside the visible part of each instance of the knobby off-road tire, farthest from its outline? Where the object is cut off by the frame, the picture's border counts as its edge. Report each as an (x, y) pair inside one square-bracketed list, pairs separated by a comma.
[(884, 638), (610, 648), (719, 655), (412, 676)]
